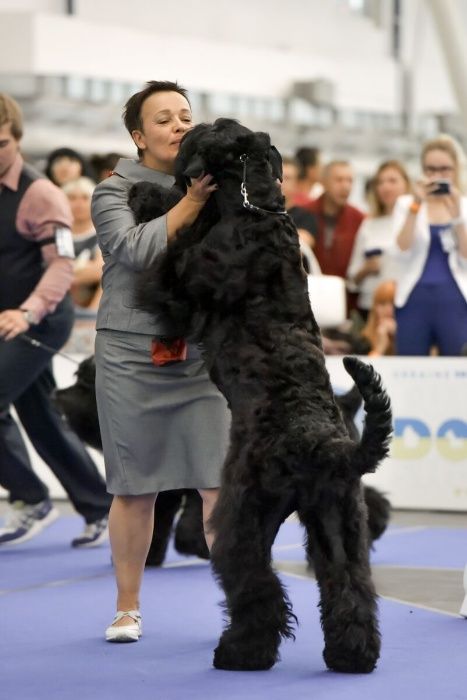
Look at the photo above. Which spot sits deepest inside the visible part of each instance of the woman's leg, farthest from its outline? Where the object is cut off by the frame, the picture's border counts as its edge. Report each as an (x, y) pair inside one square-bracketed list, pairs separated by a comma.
[(209, 497), (451, 321), (131, 524)]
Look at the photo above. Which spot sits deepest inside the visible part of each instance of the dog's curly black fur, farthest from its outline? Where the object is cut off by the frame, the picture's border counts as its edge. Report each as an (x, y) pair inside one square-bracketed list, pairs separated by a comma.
[(233, 281), (77, 403)]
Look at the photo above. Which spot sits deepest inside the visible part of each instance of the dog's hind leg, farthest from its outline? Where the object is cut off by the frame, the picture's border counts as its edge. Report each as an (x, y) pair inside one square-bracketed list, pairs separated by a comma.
[(258, 609), (337, 531), (189, 532), (165, 510)]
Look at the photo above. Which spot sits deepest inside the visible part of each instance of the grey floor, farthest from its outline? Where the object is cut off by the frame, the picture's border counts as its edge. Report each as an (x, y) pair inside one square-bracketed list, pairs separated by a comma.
[(437, 589)]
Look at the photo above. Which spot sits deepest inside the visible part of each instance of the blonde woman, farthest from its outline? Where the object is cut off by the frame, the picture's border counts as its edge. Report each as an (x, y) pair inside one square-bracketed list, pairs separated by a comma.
[(431, 248), (368, 265)]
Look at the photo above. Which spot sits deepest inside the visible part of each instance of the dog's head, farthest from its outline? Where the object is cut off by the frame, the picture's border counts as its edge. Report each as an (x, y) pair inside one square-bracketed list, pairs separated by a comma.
[(221, 149)]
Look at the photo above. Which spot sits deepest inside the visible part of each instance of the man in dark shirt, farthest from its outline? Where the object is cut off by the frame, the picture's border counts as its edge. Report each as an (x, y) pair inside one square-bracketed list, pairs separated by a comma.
[(36, 270)]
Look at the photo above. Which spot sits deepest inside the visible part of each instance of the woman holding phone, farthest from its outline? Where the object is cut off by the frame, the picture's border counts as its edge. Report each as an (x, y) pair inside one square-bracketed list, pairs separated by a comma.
[(367, 268), (431, 252)]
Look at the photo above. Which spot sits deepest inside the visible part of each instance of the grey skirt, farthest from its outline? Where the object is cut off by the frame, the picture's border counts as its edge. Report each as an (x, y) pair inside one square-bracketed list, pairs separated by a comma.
[(162, 427)]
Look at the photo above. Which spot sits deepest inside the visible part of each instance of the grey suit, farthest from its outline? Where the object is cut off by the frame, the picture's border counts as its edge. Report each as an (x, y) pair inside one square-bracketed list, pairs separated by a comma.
[(126, 247), (162, 427)]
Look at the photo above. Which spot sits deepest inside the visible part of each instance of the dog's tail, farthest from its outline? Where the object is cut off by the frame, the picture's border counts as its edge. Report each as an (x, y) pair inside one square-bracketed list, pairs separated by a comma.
[(374, 443)]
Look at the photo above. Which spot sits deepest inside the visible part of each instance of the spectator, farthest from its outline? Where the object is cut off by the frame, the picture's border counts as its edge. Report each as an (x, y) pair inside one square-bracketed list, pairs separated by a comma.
[(86, 288), (367, 268), (431, 250), (64, 165), (36, 251), (338, 221), (103, 165), (304, 220), (309, 173), (380, 328)]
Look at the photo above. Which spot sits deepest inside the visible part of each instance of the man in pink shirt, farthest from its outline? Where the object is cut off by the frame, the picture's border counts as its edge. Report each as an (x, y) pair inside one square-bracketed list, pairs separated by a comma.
[(36, 252)]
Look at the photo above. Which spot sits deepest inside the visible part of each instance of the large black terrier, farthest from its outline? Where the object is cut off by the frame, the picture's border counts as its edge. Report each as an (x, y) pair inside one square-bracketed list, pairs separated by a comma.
[(234, 282), (77, 403)]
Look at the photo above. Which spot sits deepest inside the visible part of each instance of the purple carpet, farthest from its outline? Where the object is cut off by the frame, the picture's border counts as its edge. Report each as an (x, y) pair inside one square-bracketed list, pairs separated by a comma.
[(51, 646), (400, 546), (49, 557)]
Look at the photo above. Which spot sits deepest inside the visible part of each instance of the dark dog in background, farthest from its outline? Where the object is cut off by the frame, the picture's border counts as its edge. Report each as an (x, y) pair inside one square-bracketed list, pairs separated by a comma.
[(233, 281), (78, 404)]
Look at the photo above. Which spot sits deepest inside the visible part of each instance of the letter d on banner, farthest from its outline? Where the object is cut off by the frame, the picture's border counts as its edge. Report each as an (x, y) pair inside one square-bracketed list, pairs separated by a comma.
[(412, 439)]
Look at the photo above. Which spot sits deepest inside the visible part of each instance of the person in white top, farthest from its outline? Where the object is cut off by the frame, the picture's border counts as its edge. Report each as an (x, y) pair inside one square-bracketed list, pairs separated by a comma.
[(86, 288), (368, 265), (431, 252)]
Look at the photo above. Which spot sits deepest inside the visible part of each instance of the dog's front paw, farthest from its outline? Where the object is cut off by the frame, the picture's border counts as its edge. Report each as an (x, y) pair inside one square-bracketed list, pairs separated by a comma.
[(248, 656)]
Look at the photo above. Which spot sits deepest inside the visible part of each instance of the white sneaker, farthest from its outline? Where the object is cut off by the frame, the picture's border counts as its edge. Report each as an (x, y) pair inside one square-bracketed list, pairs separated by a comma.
[(26, 521), (125, 633), (94, 534)]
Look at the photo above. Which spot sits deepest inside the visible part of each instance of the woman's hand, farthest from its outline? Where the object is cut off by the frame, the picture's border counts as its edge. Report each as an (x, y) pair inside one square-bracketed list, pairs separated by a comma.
[(452, 202), (188, 208), (385, 332), (12, 323), (201, 188), (372, 265)]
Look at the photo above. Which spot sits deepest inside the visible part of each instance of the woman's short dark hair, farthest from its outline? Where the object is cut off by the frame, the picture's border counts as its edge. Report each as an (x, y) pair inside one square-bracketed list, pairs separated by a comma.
[(132, 110)]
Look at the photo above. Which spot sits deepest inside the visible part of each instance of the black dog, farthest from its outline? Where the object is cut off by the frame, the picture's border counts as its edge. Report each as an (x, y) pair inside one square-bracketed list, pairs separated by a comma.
[(78, 404), (233, 281)]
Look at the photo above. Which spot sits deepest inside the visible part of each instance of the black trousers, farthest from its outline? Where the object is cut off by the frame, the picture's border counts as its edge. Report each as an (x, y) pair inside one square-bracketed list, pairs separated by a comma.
[(27, 382)]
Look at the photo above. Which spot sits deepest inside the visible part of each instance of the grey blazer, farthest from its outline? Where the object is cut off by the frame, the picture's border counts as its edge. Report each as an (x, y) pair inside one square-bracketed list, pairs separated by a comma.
[(127, 248)]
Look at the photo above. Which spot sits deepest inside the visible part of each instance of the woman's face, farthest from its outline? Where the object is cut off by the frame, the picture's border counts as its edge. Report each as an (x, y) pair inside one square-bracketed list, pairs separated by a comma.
[(439, 165), (165, 116), (65, 169), (80, 204), (389, 186), (289, 180)]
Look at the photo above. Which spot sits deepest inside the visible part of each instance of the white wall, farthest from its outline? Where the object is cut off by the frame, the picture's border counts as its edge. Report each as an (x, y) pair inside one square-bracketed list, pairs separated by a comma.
[(249, 47), (58, 45)]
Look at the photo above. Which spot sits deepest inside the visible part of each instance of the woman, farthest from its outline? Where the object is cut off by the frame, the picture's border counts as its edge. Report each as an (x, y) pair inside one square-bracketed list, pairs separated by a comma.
[(368, 265), (64, 165), (87, 270), (163, 426), (380, 328), (431, 251)]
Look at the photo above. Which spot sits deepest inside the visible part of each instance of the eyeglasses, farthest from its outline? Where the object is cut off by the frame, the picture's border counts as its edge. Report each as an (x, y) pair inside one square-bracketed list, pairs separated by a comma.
[(435, 169)]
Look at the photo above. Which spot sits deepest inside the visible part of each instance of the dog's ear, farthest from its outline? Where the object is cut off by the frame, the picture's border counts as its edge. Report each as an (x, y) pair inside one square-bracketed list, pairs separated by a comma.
[(275, 159)]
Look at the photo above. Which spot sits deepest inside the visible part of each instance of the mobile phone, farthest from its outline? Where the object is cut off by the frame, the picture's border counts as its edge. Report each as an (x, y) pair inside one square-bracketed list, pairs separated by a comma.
[(442, 187), (371, 253)]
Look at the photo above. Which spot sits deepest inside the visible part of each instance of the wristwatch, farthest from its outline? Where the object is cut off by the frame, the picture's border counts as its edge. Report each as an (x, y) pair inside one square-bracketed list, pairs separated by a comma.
[(29, 316)]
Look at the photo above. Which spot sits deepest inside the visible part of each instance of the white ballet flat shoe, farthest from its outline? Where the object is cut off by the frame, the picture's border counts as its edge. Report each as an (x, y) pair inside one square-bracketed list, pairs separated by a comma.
[(125, 633)]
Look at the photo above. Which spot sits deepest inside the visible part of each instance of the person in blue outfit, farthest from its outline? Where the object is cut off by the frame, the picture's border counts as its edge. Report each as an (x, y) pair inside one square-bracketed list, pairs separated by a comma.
[(430, 230)]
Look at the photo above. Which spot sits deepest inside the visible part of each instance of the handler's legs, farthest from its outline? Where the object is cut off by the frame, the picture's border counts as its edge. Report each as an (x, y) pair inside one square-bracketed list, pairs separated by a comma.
[(131, 524)]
